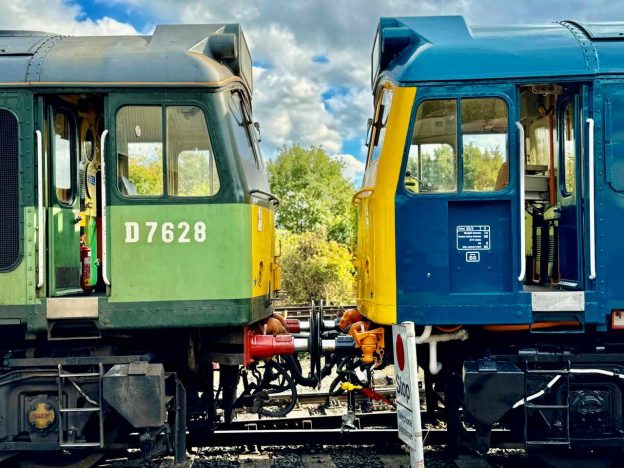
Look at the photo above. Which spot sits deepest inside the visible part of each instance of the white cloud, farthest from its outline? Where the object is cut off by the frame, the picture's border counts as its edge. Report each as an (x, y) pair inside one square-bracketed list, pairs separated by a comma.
[(285, 35), (56, 16), (353, 168)]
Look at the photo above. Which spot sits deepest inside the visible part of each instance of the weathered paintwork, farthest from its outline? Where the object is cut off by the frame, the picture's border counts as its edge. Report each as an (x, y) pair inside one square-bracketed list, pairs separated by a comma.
[(175, 55), (443, 58), (226, 278)]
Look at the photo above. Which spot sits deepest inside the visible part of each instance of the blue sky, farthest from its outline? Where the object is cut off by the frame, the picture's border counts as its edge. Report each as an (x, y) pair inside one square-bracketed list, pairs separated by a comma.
[(312, 57)]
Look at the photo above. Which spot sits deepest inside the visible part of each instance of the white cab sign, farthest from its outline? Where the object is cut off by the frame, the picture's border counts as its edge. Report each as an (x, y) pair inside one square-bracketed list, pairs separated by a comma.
[(407, 397)]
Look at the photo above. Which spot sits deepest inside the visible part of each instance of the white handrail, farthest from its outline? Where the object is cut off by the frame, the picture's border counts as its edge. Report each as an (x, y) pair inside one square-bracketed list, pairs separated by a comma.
[(40, 209), (592, 214), (521, 238), (103, 197)]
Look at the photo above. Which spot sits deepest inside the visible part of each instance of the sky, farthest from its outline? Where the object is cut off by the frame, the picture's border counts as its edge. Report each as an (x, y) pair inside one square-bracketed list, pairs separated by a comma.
[(311, 57)]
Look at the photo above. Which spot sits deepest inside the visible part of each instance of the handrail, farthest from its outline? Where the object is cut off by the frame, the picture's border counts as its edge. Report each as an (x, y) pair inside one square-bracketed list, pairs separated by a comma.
[(272, 198), (521, 238), (103, 197), (40, 209), (357, 195), (592, 213)]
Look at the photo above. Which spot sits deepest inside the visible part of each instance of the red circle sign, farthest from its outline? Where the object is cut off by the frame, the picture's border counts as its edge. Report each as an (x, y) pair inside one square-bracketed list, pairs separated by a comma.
[(399, 352)]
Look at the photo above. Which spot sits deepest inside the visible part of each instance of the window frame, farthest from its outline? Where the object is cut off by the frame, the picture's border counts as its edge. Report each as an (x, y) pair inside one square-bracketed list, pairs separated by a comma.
[(163, 104), (372, 138), (73, 148), (247, 123), (430, 95), (563, 178)]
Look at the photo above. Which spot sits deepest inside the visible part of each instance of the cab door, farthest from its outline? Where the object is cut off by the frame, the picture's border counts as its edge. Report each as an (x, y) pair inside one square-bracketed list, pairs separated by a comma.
[(63, 201), (570, 190), (457, 204)]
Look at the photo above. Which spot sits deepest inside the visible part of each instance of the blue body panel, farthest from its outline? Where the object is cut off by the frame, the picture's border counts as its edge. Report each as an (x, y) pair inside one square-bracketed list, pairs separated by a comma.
[(436, 284), (444, 48)]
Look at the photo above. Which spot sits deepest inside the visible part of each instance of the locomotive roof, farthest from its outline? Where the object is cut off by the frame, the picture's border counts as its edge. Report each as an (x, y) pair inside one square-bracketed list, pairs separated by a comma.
[(175, 54), (442, 48)]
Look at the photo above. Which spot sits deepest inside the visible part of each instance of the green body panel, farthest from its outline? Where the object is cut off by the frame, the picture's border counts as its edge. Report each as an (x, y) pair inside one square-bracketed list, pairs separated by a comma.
[(183, 269), (63, 251), (18, 286), (153, 285), (182, 314)]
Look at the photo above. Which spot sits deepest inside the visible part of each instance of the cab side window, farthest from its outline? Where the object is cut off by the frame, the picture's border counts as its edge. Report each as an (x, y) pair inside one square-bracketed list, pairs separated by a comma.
[(437, 154), (377, 132), (242, 124), (190, 162), (144, 161), (140, 151), (432, 160)]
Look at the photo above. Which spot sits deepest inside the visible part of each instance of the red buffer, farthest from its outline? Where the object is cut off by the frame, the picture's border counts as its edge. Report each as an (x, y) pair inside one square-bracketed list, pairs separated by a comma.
[(266, 346)]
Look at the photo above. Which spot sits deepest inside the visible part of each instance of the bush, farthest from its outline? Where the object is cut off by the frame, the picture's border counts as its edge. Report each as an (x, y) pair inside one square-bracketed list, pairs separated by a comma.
[(314, 268)]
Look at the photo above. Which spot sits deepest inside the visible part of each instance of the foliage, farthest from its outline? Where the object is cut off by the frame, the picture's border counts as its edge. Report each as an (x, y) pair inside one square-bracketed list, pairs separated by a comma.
[(313, 193), (146, 173), (314, 268), (194, 172), (481, 167), (438, 171)]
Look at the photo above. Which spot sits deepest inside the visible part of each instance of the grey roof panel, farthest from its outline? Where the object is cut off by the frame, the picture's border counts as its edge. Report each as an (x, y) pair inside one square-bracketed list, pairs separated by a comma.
[(173, 54)]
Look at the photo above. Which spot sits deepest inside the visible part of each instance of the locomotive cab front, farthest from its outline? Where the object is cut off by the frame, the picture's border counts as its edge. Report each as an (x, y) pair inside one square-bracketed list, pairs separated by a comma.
[(137, 232), (488, 215)]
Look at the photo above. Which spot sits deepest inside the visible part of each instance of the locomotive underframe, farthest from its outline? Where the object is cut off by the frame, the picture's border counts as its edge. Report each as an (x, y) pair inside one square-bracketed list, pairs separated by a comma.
[(546, 389)]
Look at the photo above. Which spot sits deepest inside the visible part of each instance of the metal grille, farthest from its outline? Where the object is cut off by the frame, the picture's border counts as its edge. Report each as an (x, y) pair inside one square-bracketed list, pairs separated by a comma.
[(9, 191)]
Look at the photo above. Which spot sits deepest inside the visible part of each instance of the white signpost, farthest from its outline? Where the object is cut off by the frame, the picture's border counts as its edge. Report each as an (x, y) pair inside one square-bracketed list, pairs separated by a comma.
[(407, 395)]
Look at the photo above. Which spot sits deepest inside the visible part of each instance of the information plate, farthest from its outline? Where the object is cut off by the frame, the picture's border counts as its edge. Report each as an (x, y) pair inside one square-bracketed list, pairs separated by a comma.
[(473, 237)]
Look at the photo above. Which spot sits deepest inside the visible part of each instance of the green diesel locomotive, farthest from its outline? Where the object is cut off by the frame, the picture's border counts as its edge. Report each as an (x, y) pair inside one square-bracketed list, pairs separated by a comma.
[(136, 235)]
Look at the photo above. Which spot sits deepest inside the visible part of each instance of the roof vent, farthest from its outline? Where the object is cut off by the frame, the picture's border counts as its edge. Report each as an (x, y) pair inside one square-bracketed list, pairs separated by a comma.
[(223, 46), (393, 41)]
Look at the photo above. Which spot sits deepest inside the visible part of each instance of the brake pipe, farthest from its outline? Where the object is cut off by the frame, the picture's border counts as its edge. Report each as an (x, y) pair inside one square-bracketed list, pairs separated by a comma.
[(550, 384), (538, 394), (426, 337)]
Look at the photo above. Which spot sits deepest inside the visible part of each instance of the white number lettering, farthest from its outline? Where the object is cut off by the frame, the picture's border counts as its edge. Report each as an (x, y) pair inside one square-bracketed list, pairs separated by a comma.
[(200, 232), (132, 232), (167, 232), (184, 239), (152, 225)]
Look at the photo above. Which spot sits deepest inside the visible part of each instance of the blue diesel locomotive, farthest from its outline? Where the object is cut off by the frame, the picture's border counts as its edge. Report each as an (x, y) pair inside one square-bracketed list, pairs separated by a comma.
[(490, 215)]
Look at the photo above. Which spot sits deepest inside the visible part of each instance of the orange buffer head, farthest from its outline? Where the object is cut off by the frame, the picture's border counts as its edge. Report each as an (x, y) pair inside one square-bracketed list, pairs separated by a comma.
[(359, 327), (371, 342), (276, 325), (350, 316)]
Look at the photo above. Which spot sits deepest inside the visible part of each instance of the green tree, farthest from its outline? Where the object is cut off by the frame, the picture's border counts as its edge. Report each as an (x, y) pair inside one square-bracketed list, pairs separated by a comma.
[(313, 193), (314, 268)]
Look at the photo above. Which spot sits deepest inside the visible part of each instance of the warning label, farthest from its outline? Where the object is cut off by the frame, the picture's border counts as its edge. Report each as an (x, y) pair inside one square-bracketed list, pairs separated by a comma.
[(473, 238)]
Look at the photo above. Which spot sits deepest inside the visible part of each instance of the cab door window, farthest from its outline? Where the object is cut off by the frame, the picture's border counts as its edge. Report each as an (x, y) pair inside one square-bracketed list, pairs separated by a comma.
[(63, 148), (484, 144), (569, 151), (436, 160)]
